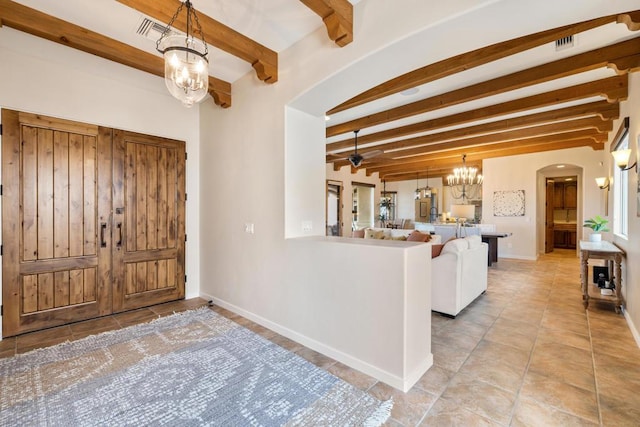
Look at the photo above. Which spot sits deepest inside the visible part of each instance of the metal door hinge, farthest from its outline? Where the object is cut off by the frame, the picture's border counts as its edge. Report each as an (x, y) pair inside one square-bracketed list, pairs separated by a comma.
[(1, 250), (185, 196), (185, 278), (185, 237), (186, 155), (1, 189), (0, 129), (1, 310)]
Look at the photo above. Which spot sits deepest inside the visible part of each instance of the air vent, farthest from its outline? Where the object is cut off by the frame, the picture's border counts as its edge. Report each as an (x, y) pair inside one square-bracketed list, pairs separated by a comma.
[(150, 29), (565, 43)]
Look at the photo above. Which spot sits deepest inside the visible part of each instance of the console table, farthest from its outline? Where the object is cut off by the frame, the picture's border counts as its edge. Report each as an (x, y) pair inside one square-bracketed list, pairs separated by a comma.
[(612, 254), (491, 238)]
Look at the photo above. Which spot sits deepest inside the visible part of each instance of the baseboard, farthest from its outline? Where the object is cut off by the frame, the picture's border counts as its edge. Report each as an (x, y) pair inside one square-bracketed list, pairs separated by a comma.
[(353, 362), (526, 258), (632, 328)]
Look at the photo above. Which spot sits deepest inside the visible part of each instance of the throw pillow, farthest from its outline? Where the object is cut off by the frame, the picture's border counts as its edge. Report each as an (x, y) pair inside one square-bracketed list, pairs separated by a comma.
[(417, 236), (358, 233), (436, 250), (398, 237), (373, 234)]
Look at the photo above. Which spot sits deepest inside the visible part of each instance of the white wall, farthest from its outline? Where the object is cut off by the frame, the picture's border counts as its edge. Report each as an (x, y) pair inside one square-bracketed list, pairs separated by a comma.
[(246, 148), (42, 77), (521, 173), (631, 268)]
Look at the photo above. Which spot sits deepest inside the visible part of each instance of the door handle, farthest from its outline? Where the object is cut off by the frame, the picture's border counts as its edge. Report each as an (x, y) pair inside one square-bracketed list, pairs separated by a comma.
[(103, 228), (119, 242)]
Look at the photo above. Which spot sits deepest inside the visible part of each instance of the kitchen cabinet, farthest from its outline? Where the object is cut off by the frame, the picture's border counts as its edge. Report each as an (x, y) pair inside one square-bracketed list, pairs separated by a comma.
[(565, 195), (564, 236)]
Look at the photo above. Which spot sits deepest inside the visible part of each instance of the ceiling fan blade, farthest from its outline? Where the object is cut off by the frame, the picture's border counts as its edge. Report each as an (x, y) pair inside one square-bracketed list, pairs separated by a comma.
[(371, 154)]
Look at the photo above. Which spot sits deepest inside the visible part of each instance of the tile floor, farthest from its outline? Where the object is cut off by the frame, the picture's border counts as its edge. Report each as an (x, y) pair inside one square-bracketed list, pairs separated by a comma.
[(524, 354)]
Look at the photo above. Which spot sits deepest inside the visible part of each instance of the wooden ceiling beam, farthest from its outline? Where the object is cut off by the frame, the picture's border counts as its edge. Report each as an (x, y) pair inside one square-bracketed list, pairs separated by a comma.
[(375, 165), (602, 109), (435, 142), (598, 58), (612, 88), (337, 16), (40, 24), (262, 59), (556, 129), (508, 149), (481, 56)]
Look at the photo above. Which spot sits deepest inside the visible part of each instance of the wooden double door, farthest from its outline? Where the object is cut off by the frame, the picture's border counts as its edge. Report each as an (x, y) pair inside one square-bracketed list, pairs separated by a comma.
[(92, 221)]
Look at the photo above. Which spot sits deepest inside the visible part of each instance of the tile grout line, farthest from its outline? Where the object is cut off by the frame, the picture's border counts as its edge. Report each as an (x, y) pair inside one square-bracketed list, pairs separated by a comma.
[(593, 361)]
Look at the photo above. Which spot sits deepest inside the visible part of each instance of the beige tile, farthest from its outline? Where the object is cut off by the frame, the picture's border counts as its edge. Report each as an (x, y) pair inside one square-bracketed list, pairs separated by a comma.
[(408, 408), (352, 376), (435, 380), (318, 359), (505, 376), (481, 398), (457, 339), (178, 306), (530, 413), (493, 352), (502, 335), (26, 348), (566, 397), (448, 413), (448, 357), (286, 343), (559, 336), (564, 363), (620, 409)]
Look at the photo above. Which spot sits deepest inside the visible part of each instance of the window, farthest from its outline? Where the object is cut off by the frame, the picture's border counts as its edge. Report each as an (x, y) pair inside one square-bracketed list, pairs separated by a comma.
[(621, 184)]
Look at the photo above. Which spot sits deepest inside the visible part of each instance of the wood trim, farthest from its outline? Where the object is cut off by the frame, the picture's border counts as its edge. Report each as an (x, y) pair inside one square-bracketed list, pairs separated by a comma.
[(392, 175), (602, 109), (38, 120), (623, 129), (587, 61), (40, 24), (481, 56), (337, 16), (263, 59), (413, 146)]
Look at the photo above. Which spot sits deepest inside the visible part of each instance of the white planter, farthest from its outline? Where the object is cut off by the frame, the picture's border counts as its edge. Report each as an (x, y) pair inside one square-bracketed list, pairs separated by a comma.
[(595, 237)]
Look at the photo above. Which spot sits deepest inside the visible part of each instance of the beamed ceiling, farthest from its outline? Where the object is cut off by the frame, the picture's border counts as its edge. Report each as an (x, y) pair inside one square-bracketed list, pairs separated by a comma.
[(60, 23), (515, 97)]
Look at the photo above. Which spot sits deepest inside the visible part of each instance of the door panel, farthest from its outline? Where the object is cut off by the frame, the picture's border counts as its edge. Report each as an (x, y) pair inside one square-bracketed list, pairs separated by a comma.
[(53, 269), (149, 220), (93, 221)]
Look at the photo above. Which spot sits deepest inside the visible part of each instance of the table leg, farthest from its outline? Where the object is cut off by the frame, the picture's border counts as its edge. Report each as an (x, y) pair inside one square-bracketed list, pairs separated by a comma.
[(618, 261), (584, 279)]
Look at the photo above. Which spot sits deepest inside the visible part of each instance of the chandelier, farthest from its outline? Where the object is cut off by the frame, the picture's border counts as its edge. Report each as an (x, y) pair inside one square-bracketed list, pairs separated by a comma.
[(465, 183), (186, 67)]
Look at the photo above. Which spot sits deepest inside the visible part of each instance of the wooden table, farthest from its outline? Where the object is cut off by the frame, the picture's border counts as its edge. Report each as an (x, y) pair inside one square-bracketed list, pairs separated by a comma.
[(612, 254), (491, 238)]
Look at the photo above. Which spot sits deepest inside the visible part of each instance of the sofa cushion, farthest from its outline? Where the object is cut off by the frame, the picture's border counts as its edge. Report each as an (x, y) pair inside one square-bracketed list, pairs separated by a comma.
[(417, 236), (358, 233), (474, 241), (373, 234), (436, 250), (455, 246)]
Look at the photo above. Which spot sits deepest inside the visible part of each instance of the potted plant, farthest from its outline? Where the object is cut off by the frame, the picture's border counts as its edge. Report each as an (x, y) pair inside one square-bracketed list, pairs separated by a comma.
[(597, 224)]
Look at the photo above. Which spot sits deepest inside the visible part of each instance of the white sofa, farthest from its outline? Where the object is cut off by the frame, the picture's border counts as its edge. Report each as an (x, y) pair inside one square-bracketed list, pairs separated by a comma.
[(458, 274)]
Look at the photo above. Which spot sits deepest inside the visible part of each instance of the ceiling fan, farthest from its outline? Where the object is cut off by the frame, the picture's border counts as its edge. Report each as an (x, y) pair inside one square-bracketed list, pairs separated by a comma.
[(356, 159)]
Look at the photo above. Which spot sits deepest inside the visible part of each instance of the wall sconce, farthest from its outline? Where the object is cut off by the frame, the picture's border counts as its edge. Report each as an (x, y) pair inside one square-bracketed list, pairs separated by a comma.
[(603, 184), (622, 159)]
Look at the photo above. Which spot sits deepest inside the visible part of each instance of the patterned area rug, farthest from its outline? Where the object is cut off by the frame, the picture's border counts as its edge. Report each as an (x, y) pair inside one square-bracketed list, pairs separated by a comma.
[(192, 368)]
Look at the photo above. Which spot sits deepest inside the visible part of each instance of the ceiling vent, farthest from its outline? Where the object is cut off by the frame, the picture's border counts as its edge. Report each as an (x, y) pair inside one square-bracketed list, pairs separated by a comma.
[(151, 29), (565, 43)]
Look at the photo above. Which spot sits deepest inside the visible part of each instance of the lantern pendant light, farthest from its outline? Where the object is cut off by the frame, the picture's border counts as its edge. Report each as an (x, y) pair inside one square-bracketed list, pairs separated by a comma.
[(186, 67)]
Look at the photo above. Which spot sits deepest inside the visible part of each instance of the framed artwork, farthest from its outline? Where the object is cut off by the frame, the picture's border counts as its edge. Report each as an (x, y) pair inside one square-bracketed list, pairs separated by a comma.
[(508, 203)]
